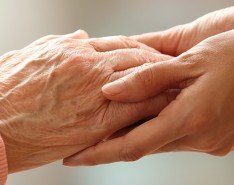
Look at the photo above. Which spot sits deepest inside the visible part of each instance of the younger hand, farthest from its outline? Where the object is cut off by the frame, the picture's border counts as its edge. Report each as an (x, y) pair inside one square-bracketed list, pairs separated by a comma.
[(179, 39), (201, 117)]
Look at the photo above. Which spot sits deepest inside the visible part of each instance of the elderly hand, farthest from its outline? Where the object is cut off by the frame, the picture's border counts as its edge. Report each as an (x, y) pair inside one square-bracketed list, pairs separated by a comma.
[(179, 39), (201, 117), (51, 100)]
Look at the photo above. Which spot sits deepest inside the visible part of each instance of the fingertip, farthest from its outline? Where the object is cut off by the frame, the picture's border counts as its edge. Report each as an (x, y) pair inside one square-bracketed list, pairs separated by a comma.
[(68, 164), (123, 91), (114, 88), (74, 161), (119, 91)]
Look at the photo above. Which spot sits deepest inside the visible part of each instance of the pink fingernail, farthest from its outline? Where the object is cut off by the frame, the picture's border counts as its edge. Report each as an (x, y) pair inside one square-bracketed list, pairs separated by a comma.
[(114, 88)]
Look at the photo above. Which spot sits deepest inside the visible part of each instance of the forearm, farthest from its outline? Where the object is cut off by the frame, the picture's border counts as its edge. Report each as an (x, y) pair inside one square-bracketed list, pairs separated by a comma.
[(3, 163)]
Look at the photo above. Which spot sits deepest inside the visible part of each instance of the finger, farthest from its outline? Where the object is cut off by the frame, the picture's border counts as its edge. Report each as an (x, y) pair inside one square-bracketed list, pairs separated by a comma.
[(166, 42), (179, 39), (204, 143), (143, 140), (139, 142), (79, 34), (176, 146), (117, 42), (154, 106), (126, 130), (223, 148), (44, 40), (150, 81), (128, 58), (129, 113)]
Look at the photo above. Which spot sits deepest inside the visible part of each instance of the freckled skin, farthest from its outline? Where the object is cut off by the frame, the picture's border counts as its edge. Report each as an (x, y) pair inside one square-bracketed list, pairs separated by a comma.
[(51, 100)]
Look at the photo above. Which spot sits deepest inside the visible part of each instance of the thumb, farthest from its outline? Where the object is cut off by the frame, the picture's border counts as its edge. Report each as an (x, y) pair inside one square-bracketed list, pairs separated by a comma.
[(151, 80)]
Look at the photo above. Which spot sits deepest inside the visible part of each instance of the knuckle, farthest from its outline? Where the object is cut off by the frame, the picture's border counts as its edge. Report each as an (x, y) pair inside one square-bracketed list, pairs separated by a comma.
[(188, 57), (123, 37), (193, 61), (197, 58), (130, 153), (196, 54), (94, 45), (93, 161), (145, 77), (146, 56), (128, 42)]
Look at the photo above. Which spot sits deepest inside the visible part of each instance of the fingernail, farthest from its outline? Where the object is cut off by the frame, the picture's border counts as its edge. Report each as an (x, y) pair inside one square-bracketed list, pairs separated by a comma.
[(73, 163), (114, 88)]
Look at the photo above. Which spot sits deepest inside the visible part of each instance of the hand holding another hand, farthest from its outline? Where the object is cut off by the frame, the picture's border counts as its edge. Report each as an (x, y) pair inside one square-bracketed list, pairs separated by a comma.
[(179, 39), (201, 117), (51, 100)]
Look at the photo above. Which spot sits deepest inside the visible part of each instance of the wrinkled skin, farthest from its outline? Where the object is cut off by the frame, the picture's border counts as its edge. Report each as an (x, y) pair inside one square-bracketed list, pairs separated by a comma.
[(51, 100), (200, 119)]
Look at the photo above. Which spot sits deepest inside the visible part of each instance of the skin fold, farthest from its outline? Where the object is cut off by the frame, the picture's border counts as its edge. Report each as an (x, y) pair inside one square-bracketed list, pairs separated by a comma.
[(200, 118), (51, 100)]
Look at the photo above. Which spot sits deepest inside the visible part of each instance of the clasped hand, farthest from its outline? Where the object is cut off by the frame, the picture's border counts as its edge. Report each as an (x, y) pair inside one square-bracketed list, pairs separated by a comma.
[(51, 100), (200, 118), (78, 98)]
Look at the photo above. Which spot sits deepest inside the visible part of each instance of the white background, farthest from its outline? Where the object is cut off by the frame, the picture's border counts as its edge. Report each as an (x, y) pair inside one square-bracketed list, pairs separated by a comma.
[(26, 20)]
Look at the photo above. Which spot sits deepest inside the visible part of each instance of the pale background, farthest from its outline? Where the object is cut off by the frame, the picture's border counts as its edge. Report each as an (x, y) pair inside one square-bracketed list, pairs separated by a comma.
[(26, 20)]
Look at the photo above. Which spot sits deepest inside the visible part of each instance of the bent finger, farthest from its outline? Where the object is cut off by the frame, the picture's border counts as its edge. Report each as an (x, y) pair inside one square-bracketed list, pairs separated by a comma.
[(128, 58), (166, 42), (131, 147), (105, 44), (150, 81)]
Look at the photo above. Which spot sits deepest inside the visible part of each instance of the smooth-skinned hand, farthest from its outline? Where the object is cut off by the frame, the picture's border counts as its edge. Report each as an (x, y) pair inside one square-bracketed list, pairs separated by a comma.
[(200, 119), (179, 39), (51, 100)]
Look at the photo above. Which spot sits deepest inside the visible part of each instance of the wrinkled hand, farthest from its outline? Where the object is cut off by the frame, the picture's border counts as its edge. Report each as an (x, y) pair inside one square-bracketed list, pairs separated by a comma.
[(51, 101), (179, 39), (201, 117)]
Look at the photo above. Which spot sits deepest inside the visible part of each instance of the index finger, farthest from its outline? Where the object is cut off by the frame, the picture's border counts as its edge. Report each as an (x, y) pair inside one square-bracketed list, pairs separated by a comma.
[(151, 80), (105, 44), (139, 142)]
